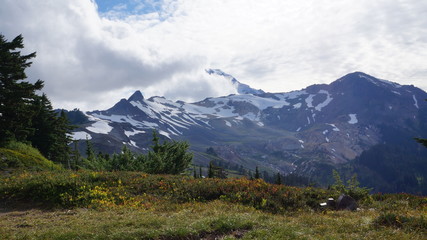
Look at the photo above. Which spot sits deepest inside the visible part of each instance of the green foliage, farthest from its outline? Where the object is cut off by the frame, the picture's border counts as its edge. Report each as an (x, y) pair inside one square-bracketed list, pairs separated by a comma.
[(216, 171), (16, 95), (170, 157), (104, 189), (352, 188)]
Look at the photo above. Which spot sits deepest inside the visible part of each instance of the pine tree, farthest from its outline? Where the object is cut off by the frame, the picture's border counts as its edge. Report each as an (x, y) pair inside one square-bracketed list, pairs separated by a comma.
[(170, 157), (257, 175), (278, 179), (17, 96), (43, 122), (75, 155), (51, 132), (194, 172), (200, 172), (210, 170)]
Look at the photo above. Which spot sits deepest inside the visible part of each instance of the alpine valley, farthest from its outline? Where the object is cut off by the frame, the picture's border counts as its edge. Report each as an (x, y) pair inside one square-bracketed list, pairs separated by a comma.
[(357, 124)]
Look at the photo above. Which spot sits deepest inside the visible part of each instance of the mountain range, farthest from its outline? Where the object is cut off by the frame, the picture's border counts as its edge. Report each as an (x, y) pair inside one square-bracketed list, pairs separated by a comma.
[(357, 124)]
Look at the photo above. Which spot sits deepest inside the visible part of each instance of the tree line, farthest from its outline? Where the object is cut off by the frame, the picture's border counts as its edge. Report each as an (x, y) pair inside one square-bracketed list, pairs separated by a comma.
[(26, 116)]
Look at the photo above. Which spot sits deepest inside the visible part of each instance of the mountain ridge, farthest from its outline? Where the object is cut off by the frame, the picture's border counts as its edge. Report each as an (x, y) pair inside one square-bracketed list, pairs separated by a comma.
[(307, 132)]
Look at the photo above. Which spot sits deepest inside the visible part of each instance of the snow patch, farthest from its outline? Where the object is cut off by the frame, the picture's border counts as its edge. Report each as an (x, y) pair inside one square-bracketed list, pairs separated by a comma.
[(101, 127), (334, 127), (133, 132), (298, 105), (298, 129), (132, 143), (325, 132), (309, 101), (81, 136), (327, 139), (416, 102), (227, 123), (164, 134), (353, 118), (326, 102)]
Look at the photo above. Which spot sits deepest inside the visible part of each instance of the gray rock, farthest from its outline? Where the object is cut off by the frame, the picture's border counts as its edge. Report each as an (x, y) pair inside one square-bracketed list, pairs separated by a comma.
[(346, 202)]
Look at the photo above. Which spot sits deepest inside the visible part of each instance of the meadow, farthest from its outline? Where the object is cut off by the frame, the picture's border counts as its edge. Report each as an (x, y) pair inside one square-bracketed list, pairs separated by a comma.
[(133, 205)]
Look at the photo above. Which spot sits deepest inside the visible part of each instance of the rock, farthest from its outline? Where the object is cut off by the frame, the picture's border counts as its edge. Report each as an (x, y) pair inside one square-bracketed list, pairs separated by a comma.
[(346, 202)]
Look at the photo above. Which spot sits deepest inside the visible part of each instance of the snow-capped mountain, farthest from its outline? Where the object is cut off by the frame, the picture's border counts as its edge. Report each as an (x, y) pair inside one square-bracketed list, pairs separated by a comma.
[(241, 88), (308, 131)]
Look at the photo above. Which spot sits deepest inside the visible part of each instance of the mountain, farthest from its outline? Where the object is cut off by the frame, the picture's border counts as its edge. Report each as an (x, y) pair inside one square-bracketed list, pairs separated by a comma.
[(241, 88), (347, 125)]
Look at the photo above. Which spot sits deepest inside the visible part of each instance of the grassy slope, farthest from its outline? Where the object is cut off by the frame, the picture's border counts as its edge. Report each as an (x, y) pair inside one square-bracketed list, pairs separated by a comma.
[(18, 156)]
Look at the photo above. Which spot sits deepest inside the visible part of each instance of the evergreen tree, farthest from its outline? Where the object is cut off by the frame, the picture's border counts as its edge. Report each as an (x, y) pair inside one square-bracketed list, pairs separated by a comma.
[(170, 157), (51, 132), (194, 172), (278, 179), (43, 122), (17, 96), (257, 175), (210, 170), (200, 172), (90, 153), (75, 155)]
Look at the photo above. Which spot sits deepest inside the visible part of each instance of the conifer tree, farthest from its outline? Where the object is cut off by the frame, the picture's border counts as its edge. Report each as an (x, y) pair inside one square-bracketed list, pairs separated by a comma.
[(210, 170), (17, 96), (257, 175), (278, 179), (170, 157)]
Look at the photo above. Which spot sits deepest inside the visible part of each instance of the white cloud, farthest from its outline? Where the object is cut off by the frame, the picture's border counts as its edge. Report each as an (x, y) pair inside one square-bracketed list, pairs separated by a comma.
[(90, 61)]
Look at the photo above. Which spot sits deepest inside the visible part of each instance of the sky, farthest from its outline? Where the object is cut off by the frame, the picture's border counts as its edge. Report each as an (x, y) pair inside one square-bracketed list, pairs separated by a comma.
[(91, 54)]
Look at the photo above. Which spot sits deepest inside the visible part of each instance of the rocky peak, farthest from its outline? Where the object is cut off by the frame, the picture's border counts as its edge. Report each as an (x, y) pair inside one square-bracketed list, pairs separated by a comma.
[(136, 97)]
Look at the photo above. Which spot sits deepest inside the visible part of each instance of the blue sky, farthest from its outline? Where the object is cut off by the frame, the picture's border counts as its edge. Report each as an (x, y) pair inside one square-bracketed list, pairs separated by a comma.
[(91, 55), (127, 7)]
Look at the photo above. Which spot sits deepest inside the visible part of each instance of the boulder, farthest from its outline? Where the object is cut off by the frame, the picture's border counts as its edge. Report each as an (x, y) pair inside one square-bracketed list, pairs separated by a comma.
[(346, 202)]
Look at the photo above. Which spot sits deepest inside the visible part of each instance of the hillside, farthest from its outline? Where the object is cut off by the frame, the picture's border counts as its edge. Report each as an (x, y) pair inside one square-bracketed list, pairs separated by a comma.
[(21, 157)]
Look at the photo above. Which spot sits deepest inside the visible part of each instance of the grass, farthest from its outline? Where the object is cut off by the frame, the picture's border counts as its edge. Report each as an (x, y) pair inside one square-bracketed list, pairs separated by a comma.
[(196, 220), (24, 157)]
